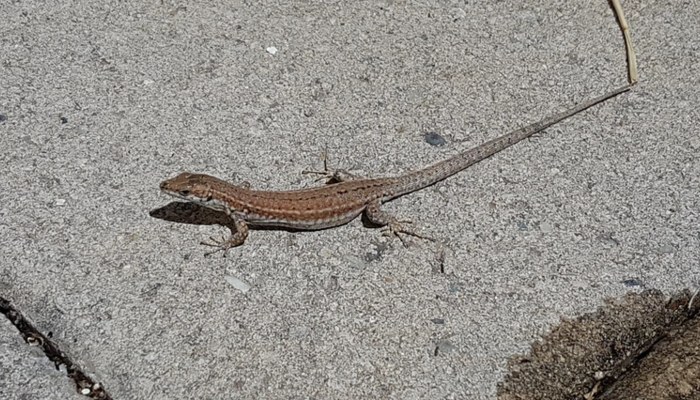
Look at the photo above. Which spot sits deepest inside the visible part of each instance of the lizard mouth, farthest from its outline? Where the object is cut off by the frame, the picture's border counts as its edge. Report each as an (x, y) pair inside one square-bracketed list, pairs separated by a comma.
[(176, 194), (208, 202)]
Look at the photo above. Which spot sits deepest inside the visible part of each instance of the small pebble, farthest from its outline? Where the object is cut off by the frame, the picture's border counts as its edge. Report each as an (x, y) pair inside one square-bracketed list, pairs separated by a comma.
[(237, 283), (666, 249), (445, 346)]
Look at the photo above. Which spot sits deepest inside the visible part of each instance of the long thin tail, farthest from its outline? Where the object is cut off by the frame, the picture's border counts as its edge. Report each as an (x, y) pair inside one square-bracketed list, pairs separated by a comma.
[(419, 179)]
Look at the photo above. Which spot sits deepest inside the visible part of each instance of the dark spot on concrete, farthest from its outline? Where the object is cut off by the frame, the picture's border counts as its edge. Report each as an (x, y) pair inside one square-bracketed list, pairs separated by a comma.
[(615, 353), (631, 282), (434, 139)]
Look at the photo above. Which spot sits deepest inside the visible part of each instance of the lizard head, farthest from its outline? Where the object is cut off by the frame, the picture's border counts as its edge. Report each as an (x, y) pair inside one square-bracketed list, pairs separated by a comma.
[(197, 188)]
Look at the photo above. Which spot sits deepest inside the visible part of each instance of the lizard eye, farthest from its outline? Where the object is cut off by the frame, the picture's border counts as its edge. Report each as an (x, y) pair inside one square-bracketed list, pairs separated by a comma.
[(185, 192)]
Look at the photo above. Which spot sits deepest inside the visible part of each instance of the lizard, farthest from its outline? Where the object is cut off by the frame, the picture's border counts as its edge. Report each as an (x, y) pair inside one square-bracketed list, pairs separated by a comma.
[(339, 203)]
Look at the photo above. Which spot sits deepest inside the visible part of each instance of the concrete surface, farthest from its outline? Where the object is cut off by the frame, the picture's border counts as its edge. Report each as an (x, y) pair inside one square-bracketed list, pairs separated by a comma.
[(103, 100)]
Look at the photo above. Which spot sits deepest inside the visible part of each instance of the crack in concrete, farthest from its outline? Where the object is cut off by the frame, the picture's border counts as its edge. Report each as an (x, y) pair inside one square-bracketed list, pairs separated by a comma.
[(84, 384), (598, 355)]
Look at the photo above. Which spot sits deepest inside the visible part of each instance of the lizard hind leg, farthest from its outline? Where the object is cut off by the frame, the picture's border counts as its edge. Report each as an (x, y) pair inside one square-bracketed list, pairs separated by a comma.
[(392, 227), (332, 176)]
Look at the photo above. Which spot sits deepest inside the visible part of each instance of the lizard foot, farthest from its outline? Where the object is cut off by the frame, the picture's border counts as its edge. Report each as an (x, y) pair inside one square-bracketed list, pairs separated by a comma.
[(395, 229), (332, 176), (329, 175), (222, 244)]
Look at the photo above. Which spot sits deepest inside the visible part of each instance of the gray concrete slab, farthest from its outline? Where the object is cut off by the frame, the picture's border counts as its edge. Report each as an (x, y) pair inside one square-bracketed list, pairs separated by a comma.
[(103, 100)]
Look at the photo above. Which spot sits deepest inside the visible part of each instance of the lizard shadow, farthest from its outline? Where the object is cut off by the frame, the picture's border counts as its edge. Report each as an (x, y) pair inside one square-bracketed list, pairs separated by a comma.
[(191, 213)]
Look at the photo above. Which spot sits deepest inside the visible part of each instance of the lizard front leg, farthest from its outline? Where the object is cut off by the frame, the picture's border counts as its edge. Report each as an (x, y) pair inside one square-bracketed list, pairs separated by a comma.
[(235, 239)]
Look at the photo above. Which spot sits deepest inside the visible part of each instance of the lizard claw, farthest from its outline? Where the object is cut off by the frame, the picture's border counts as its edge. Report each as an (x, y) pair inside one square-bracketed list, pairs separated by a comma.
[(395, 229), (328, 176), (222, 244), (334, 176), (218, 244)]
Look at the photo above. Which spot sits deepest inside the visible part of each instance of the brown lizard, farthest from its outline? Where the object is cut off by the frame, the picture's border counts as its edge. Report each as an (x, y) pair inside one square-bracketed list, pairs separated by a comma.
[(337, 204)]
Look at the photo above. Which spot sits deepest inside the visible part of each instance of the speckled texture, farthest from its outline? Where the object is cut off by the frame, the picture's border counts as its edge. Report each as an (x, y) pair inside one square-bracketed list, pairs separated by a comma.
[(103, 100)]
